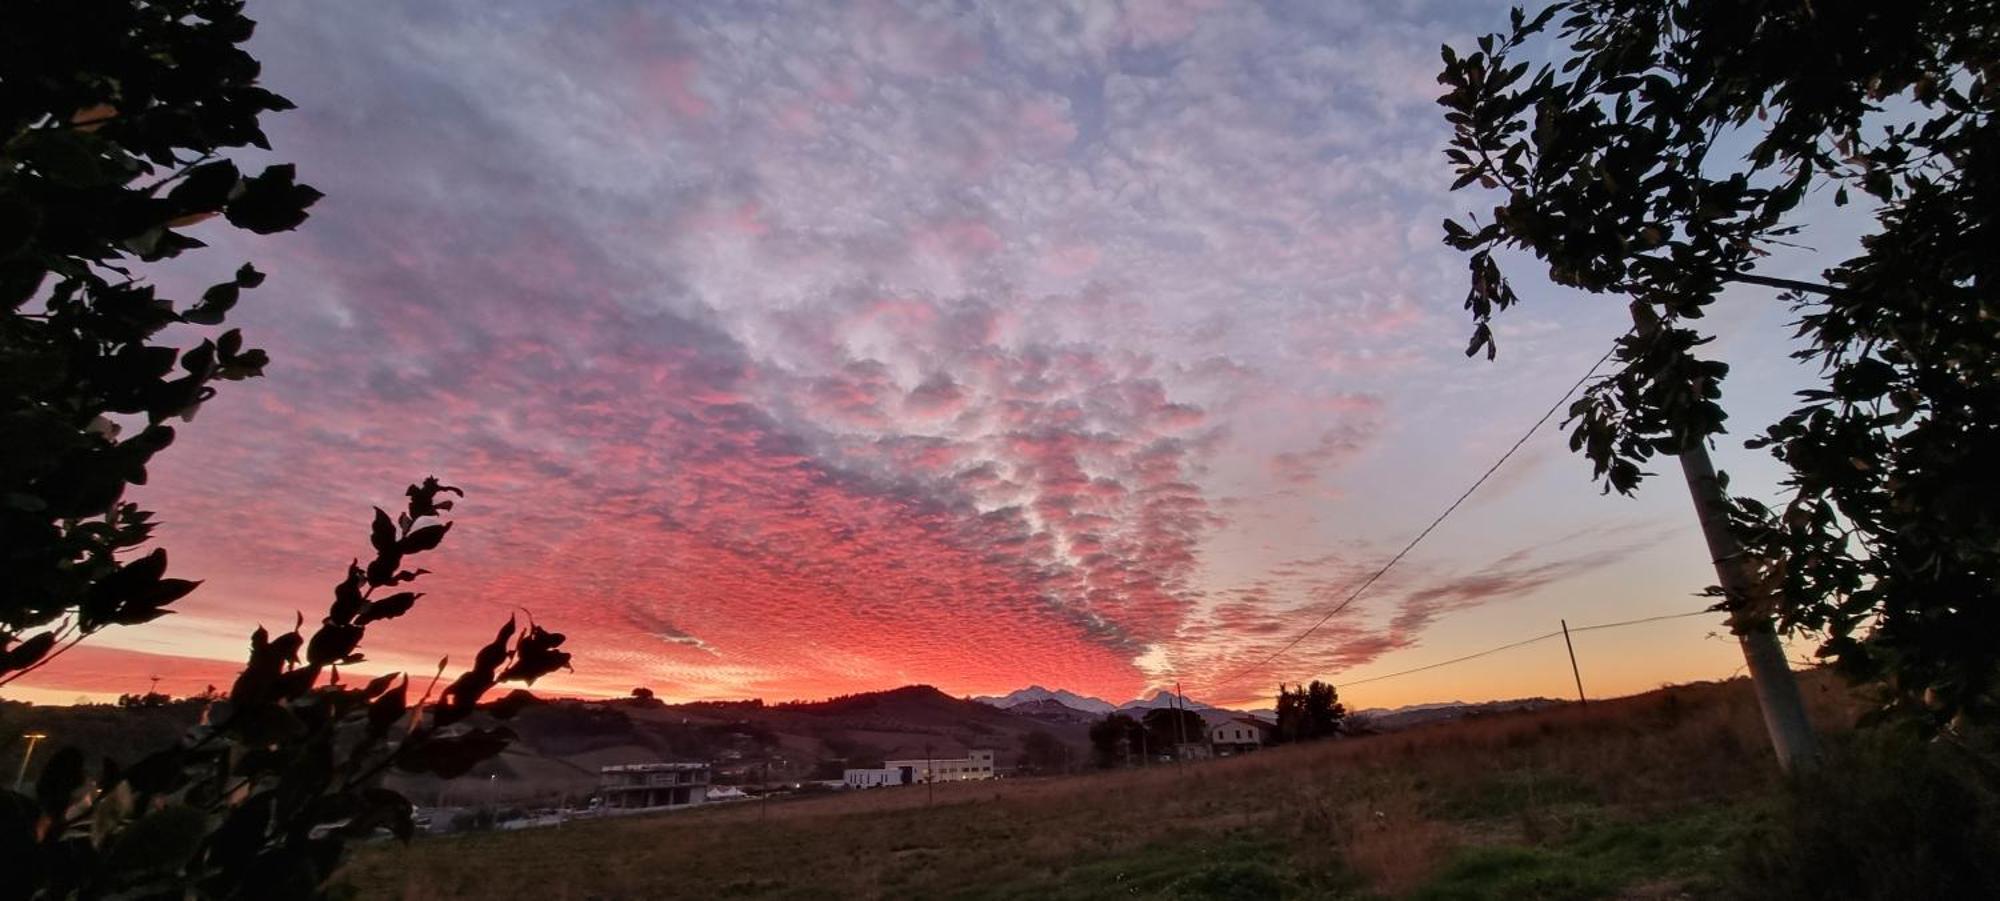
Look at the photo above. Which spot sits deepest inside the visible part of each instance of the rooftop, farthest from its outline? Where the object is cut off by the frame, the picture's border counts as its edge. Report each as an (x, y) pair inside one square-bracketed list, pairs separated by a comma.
[(651, 767)]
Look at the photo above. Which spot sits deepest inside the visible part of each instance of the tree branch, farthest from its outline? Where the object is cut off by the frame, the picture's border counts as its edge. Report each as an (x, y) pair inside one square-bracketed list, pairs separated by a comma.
[(1785, 283)]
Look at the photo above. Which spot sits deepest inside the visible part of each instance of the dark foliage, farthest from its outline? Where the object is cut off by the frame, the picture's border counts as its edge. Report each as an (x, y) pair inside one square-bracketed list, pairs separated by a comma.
[(1888, 818), (1621, 171), (114, 115), (1307, 713), (1117, 739), (151, 699), (751, 705), (117, 114), (260, 800), (1168, 726), (1043, 753)]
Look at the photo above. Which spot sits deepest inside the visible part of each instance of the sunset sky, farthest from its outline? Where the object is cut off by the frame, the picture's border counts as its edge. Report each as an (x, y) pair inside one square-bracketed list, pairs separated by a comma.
[(792, 351)]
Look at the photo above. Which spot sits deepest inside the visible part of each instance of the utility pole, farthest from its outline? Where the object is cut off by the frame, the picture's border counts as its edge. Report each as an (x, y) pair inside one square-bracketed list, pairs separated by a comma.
[(1750, 618), (1750, 604), (33, 738), (1580, 699), (1180, 721), (930, 776)]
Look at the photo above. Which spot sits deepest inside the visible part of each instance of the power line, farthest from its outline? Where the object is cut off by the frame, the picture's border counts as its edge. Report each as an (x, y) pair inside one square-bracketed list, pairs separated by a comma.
[(1522, 643), (1441, 517)]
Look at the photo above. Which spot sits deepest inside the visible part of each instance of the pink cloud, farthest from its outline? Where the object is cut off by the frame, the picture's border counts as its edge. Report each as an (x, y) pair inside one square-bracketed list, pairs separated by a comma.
[(673, 83)]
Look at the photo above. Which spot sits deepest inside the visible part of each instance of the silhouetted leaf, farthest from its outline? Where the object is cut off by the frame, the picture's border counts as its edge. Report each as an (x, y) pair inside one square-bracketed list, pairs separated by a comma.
[(389, 607), (271, 202), (424, 538)]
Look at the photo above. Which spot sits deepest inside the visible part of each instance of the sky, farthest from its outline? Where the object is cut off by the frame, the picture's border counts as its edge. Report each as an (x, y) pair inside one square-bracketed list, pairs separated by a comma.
[(791, 350)]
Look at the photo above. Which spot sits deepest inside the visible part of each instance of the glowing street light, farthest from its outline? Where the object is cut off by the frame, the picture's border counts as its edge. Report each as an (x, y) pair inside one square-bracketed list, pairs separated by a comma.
[(32, 738)]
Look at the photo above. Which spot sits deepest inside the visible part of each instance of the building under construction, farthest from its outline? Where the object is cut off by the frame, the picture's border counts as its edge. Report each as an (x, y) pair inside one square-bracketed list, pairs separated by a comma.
[(645, 785)]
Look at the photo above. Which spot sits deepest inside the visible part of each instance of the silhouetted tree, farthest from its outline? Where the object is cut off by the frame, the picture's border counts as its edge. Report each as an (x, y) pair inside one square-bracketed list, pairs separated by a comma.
[(1323, 711), (1116, 739), (1657, 158), (1289, 713), (1308, 712), (260, 801), (1167, 727), (1043, 753), (149, 700), (116, 114)]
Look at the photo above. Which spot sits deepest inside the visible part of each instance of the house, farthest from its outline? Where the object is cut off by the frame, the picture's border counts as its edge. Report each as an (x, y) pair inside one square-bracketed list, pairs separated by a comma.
[(1238, 735), (639, 786), (974, 765)]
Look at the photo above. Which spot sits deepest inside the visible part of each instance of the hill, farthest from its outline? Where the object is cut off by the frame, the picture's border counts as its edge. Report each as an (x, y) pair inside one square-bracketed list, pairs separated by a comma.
[(1652, 796), (1394, 719), (562, 744)]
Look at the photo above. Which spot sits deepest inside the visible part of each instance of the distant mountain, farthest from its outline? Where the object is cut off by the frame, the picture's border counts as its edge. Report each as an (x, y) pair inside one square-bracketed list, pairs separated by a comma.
[(1096, 707), (1163, 698), (1058, 705), (1052, 710), (1035, 693), (1390, 720)]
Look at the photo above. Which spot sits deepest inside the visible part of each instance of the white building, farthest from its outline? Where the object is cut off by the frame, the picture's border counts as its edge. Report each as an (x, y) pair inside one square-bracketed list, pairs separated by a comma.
[(974, 765), (871, 778), (1236, 736), (646, 785)]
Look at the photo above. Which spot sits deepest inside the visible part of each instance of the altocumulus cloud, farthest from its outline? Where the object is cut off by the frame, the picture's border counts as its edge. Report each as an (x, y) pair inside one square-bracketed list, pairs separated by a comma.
[(797, 349)]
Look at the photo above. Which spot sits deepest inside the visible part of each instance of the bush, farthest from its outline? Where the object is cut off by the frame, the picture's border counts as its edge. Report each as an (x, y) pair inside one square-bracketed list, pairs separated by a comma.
[(1886, 817)]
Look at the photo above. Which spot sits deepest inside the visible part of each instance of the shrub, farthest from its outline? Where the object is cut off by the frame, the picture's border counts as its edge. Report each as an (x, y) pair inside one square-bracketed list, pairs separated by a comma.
[(260, 801), (1888, 817)]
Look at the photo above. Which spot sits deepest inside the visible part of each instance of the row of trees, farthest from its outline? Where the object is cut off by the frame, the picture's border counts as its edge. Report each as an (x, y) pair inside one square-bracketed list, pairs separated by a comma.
[(1308, 712), (1304, 713), (1119, 739)]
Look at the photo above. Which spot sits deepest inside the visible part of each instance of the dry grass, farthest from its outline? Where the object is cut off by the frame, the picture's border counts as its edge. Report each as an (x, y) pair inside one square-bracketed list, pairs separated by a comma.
[(1371, 816)]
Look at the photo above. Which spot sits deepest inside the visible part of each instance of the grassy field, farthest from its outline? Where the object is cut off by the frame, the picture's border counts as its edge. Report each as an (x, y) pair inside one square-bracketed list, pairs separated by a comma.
[(1641, 797)]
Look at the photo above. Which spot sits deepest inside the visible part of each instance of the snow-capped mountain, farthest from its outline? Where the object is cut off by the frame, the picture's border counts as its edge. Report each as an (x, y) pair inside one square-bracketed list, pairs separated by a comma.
[(1066, 698), (1087, 704), (1163, 698)]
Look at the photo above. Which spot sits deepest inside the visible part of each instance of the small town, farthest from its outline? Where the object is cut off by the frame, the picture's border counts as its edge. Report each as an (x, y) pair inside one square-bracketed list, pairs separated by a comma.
[(746, 768)]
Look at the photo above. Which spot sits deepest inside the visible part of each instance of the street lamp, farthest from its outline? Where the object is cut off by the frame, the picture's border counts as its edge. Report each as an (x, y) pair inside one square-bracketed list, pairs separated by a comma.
[(32, 738)]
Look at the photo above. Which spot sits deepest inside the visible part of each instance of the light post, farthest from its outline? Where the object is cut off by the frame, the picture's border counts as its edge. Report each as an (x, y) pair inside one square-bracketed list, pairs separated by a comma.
[(22, 776)]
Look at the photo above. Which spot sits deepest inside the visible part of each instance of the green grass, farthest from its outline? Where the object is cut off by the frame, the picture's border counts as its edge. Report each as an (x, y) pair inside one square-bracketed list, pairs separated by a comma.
[(1598, 859), (1511, 792), (1613, 800), (1186, 866)]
